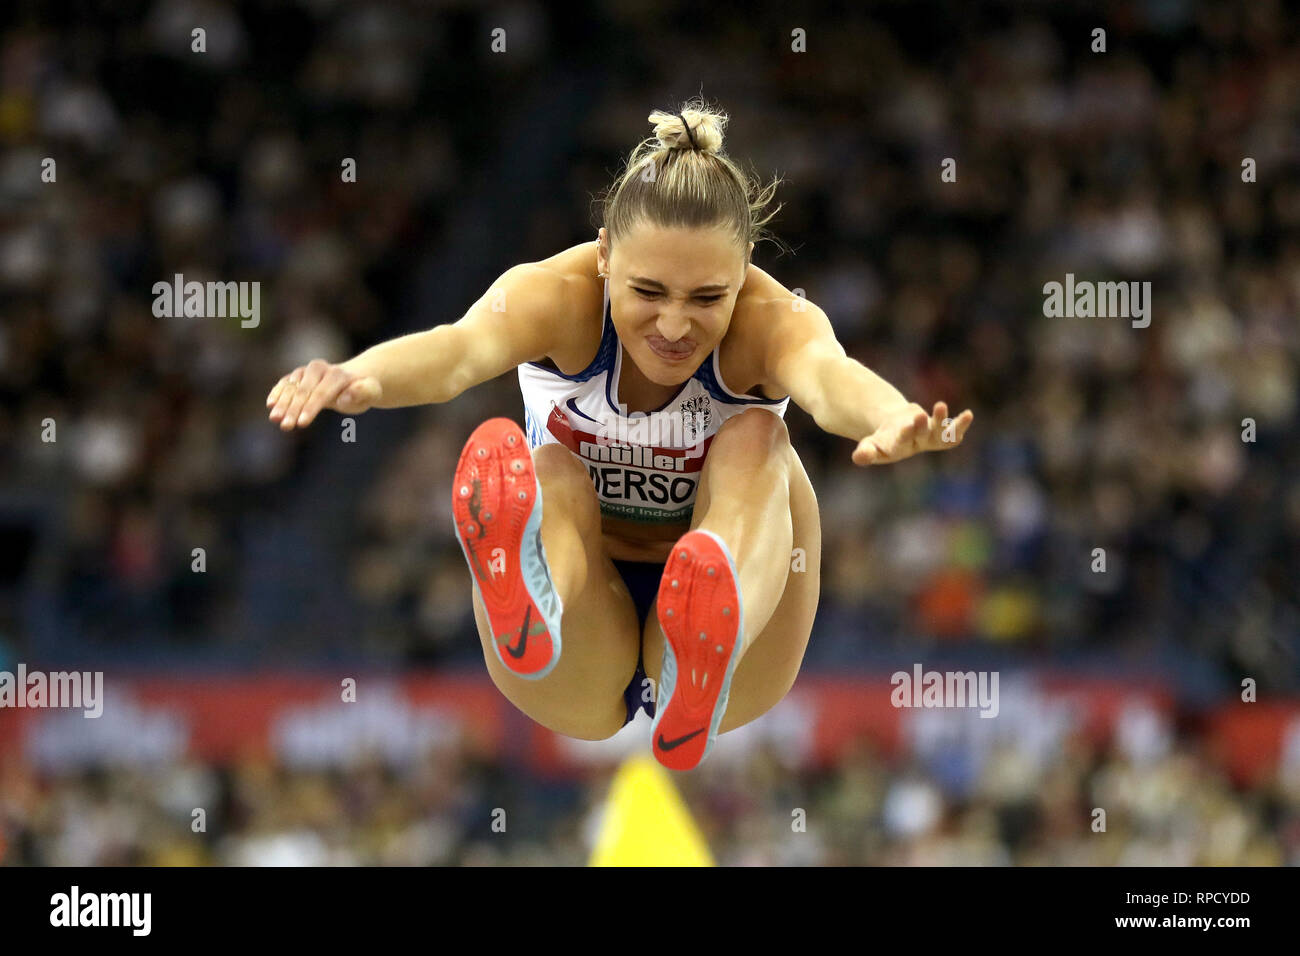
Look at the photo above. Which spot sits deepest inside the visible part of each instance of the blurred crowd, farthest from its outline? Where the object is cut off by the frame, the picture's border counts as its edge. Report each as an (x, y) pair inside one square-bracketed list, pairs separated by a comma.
[(149, 434), (1172, 809)]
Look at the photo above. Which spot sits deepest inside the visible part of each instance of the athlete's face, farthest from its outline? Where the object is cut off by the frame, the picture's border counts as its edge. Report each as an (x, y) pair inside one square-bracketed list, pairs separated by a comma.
[(671, 294)]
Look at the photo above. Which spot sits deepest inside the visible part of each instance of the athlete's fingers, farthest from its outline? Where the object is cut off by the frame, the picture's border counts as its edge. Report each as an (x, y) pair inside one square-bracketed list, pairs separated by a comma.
[(868, 452), (311, 375), (287, 388), (273, 395), (334, 381), (908, 437), (936, 420), (917, 428), (933, 437), (959, 425), (932, 433), (281, 412), (284, 408), (963, 424)]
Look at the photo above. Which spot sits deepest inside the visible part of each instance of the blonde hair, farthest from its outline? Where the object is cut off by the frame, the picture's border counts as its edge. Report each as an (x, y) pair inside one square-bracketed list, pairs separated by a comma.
[(680, 178)]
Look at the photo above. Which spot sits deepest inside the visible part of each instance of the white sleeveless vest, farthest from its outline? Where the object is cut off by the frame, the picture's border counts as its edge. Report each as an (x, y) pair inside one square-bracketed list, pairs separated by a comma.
[(645, 466)]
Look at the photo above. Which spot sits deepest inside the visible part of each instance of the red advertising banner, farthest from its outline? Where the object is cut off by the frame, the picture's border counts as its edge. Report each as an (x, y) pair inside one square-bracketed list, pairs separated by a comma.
[(316, 720), (305, 719), (1254, 739)]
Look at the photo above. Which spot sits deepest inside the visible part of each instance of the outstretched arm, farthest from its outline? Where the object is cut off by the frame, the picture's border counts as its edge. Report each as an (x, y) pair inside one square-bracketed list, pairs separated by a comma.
[(513, 322), (844, 397)]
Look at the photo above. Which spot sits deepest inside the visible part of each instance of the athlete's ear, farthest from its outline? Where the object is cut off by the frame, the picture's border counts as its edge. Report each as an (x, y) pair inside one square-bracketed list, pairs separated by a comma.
[(602, 251)]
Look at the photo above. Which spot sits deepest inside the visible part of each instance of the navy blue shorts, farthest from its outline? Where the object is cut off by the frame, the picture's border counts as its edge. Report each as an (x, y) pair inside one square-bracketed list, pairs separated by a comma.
[(642, 579)]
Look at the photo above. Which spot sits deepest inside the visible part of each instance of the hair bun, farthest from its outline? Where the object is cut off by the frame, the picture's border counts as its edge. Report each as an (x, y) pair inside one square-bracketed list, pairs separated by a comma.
[(706, 126), (665, 181)]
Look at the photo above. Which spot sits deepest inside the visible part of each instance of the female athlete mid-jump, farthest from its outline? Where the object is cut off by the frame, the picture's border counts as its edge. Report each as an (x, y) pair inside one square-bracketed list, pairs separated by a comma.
[(656, 364)]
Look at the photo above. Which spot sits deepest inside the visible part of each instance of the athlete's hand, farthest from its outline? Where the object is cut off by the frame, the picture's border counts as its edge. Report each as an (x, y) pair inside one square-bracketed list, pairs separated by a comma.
[(300, 395), (909, 431)]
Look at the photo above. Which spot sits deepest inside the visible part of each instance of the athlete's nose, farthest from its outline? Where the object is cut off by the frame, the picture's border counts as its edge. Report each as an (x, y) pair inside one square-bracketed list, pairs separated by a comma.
[(673, 326)]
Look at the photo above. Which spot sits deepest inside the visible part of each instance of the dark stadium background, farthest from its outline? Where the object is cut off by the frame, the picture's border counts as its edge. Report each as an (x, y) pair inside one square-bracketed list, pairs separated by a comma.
[(328, 560)]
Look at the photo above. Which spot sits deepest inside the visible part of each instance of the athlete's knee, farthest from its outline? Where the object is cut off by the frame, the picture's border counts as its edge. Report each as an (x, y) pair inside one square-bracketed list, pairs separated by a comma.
[(572, 716), (758, 427), (754, 439), (554, 462), (596, 727), (566, 484)]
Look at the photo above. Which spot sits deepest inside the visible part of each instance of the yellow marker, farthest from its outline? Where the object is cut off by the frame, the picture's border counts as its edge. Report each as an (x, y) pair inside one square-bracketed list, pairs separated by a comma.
[(646, 821)]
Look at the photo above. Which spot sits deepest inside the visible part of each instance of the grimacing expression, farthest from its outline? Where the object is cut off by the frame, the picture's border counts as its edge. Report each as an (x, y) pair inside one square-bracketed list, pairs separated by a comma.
[(672, 292)]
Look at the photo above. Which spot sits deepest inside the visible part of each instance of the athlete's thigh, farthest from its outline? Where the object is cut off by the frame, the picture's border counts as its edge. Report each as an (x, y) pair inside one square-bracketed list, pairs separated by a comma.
[(768, 670), (600, 641)]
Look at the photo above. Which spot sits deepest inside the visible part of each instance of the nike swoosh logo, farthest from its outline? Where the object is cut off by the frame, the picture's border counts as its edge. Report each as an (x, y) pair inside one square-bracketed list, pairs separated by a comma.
[(578, 411), (518, 650), (672, 744)]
